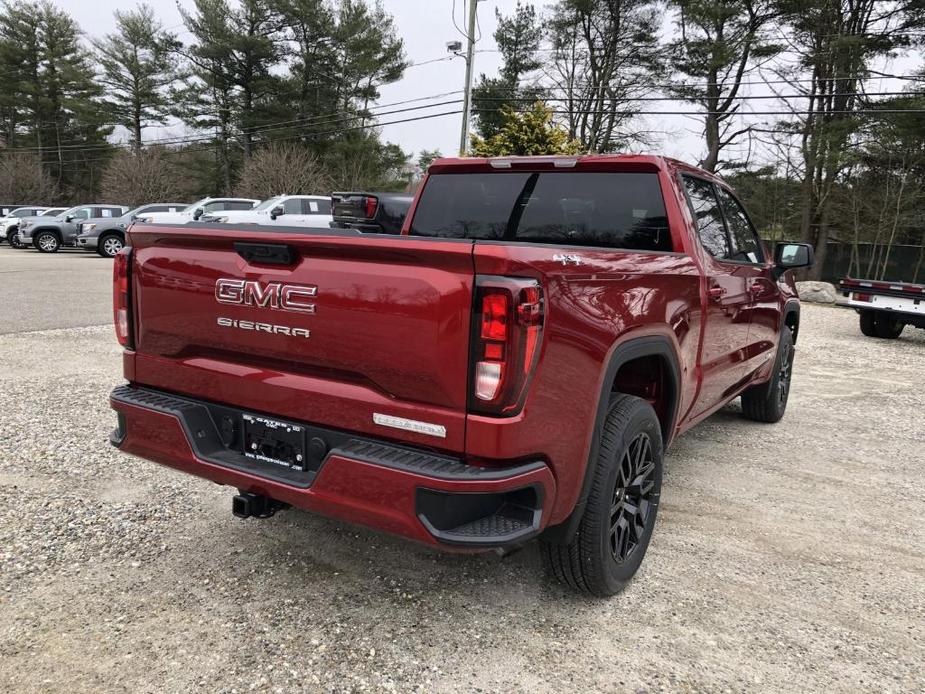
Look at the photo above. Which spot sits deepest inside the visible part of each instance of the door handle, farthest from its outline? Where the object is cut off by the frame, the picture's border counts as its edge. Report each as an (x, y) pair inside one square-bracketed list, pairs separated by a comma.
[(716, 292)]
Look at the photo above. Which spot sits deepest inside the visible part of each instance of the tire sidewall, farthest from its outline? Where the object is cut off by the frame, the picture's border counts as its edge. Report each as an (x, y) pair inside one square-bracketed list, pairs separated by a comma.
[(101, 242), (786, 337), (38, 242), (616, 575)]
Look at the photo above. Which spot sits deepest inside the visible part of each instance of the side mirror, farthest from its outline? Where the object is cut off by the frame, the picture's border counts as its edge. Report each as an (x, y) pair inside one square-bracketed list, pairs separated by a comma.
[(277, 211), (198, 213), (789, 256), (69, 218)]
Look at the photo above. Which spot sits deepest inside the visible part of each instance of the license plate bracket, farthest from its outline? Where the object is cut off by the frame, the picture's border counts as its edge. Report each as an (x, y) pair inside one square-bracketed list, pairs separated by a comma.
[(274, 442)]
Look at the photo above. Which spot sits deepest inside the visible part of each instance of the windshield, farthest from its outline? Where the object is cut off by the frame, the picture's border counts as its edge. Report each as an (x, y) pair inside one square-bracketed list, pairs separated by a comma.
[(268, 204), (192, 208), (53, 212), (73, 211), (22, 213)]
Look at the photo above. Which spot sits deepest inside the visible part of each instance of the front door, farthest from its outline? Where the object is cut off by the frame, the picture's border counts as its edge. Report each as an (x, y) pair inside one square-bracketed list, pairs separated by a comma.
[(723, 357)]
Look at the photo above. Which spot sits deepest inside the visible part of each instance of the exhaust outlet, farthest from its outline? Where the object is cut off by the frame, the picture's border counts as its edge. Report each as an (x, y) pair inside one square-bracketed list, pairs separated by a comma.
[(247, 505)]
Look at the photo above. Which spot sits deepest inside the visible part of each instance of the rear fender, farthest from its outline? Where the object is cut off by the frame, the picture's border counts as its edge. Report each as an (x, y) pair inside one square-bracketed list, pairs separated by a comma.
[(649, 346)]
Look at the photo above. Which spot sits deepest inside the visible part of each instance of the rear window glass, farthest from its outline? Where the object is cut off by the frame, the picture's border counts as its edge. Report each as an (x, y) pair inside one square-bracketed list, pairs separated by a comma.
[(616, 210)]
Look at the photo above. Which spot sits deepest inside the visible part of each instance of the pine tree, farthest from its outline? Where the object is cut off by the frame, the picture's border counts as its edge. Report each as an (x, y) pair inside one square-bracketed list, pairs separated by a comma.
[(719, 45), (139, 66), (531, 132), (518, 38)]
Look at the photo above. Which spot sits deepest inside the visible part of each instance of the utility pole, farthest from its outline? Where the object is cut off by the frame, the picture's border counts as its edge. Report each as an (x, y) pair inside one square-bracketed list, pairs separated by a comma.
[(467, 90)]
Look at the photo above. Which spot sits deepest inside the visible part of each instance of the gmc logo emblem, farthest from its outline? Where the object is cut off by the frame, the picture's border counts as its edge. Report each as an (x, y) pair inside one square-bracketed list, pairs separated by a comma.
[(274, 295)]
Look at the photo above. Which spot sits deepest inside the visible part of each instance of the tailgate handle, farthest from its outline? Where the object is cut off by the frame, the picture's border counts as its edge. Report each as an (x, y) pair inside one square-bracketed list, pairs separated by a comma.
[(266, 253)]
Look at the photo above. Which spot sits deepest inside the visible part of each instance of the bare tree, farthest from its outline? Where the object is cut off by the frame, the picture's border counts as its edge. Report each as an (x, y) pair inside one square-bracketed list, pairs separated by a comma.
[(148, 176), (23, 179), (283, 168), (605, 53)]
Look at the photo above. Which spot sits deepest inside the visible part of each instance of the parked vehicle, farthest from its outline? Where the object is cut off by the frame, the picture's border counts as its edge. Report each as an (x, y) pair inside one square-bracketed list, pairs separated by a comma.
[(12, 235), (49, 234), (884, 308), (371, 213), (192, 213), (311, 211), (9, 224), (106, 236), (513, 365)]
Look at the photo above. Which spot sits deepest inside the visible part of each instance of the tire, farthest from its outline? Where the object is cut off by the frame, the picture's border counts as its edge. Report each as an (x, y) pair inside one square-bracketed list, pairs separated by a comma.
[(620, 511), (107, 244), (767, 402), (888, 326), (869, 323), (12, 238), (46, 242)]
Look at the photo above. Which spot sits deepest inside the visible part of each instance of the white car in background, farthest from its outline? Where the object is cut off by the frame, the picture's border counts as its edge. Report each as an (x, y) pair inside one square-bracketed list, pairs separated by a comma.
[(9, 225), (11, 220), (206, 206), (312, 211)]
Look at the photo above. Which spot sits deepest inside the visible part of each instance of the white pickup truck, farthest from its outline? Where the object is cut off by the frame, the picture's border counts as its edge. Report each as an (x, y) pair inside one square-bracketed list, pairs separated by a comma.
[(311, 211), (885, 308)]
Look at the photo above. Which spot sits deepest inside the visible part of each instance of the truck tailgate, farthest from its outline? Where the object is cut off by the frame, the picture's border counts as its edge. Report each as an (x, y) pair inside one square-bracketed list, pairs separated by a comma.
[(351, 328)]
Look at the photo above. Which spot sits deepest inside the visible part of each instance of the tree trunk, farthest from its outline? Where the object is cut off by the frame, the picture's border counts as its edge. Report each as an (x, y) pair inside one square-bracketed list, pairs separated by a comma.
[(889, 245)]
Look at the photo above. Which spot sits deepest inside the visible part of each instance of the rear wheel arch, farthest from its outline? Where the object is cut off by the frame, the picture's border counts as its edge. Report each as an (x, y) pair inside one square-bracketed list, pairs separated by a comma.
[(640, 352)]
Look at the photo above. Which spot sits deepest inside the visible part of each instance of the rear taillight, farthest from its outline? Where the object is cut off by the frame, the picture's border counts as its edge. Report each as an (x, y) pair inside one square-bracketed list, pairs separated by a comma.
[(859, 296), (506, 338), (371, 204), (122, 296)]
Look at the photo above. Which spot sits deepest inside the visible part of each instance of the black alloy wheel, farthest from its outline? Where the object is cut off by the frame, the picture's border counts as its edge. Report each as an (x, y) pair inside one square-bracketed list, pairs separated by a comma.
[(631, 507)]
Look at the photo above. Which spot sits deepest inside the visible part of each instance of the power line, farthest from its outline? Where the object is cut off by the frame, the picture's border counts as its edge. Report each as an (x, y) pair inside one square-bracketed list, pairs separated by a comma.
[(322, 119), (340, 118)]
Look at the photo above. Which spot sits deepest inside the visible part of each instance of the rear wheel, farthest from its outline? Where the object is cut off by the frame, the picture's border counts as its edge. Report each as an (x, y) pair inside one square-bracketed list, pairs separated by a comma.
[(109, 245), (47, 242), (12, 238), (888, 326), (869, 323), (619, 515), (767, 402)]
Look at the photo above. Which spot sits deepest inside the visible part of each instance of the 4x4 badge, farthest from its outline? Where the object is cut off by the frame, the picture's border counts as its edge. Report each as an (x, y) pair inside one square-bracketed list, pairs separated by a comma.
[(567, 259)]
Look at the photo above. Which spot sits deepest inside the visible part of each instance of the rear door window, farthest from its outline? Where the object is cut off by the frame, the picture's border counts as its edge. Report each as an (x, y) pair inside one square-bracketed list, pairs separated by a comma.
[(316, 207), (238, 205), (610, 210)]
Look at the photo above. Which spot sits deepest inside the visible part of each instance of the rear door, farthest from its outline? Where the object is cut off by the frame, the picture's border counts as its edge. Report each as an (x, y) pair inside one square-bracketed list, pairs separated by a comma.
[(748, 251), (348, 331)]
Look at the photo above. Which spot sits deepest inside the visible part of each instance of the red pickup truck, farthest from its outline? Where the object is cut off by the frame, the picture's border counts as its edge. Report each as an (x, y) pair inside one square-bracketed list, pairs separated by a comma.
[(511, 366)]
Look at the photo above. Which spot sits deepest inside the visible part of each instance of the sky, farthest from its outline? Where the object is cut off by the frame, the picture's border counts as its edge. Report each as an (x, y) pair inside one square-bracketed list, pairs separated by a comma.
[(426, 26)]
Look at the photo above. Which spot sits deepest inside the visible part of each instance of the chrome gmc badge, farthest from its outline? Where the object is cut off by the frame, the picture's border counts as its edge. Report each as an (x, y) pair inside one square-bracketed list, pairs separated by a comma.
[(298, 298)]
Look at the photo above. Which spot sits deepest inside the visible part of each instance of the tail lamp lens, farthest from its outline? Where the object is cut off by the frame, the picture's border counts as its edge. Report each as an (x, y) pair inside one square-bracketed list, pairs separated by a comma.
[(506, 339), (121, 297), (371, 204), (494, 316)]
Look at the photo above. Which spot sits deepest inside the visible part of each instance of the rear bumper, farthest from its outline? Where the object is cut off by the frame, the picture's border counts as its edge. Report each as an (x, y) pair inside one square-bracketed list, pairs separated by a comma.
[(427, 497)]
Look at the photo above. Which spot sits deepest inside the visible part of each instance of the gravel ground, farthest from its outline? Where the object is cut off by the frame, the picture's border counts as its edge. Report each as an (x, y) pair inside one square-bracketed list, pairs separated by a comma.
[(787, 557)]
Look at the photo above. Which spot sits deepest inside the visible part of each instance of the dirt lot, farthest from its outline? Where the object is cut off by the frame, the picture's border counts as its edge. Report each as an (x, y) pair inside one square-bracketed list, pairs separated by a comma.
[(787, 557)]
